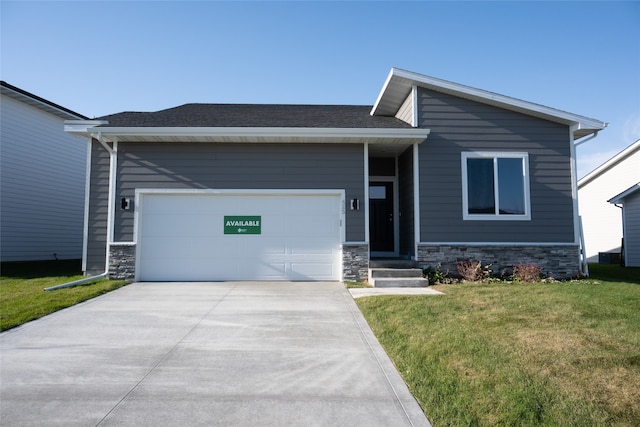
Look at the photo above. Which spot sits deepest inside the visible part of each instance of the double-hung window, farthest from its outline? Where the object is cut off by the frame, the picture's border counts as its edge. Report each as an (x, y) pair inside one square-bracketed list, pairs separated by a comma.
[(495, 186)]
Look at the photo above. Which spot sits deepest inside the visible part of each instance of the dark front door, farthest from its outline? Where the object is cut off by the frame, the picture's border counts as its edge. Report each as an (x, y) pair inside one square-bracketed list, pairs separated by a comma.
[(381, 220)]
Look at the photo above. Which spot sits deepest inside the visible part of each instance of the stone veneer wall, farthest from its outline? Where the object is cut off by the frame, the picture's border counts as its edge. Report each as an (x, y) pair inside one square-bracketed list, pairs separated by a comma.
[(122, 261), (557, 261), (355, 262)]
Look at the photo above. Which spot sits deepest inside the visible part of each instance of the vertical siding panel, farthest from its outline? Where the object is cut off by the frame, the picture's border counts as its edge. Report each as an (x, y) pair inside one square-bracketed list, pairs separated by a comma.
[(459, 125)]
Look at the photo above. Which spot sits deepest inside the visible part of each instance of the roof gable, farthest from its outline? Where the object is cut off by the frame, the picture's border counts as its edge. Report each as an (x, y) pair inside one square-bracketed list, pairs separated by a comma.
[(400, 83)]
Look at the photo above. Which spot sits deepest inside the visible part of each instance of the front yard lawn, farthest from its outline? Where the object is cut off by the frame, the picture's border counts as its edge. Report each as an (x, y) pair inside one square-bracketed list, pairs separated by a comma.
[(565, 353), (22, 297)]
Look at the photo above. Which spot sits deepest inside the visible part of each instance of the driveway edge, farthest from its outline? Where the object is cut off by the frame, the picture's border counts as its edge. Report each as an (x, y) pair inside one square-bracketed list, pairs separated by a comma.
[(415, 415)]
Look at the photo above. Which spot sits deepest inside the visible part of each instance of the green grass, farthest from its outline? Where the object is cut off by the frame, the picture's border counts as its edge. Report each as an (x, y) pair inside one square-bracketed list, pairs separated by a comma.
[(22, 294), (350, 285), (565, 353)]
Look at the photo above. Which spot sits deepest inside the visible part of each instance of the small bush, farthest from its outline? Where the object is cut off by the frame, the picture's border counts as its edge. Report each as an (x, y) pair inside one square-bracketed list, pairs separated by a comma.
[(527, 273), (473, 271), (436, 275)]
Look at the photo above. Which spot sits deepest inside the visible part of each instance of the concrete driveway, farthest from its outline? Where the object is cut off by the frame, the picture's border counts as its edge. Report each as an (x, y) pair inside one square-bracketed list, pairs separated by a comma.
[(183, 354)]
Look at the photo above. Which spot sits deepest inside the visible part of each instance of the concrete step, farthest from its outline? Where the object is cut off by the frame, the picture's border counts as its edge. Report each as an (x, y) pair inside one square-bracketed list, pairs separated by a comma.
[(410, 282), (394, 272), (397, 278), (392, 263)]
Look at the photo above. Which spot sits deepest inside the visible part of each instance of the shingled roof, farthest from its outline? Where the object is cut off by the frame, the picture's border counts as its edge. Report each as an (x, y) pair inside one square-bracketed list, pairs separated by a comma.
[(257, 115)]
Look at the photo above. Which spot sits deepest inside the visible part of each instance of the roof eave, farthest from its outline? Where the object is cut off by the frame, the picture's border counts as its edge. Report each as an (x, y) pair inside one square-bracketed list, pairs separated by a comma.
[(81, 128), (250, 134), (39, 102), (626, 193), (399, 83)]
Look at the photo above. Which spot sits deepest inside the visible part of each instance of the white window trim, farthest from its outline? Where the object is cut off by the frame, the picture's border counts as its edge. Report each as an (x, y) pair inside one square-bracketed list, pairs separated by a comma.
[(465, 191)]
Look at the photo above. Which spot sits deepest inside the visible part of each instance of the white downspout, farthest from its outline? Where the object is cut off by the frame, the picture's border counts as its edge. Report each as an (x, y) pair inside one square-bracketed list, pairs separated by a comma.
[(113, 152), (578, 231), (366, 194), (87, 190), (416, 199)]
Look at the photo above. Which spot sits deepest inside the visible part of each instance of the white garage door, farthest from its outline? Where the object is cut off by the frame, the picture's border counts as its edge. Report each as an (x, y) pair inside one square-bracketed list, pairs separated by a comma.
[(205, 237)]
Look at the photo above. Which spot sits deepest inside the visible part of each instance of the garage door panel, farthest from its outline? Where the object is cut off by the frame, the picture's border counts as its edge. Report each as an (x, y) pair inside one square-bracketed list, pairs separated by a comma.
[(178, 205), (181, 237), (170, 269), (312, 226), (180, 225), (274, 225), (310, 270), (323, 246), (156, 247), (267, 271), (265, 246), (306, 204)]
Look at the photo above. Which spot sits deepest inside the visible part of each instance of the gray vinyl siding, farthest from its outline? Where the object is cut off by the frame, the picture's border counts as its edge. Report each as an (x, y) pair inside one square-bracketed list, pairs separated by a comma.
[(632, 229), (42, 184), (98, 209), (240, 166), (459, 125), (406, 199)]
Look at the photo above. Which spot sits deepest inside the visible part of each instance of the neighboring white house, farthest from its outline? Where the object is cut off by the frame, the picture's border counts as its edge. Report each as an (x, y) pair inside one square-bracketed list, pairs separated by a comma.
[(601, 221), (42, 179), (629, 201)]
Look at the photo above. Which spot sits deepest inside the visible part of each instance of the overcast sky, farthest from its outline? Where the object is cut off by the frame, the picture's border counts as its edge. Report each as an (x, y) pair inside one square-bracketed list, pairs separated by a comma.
[(99, 58)]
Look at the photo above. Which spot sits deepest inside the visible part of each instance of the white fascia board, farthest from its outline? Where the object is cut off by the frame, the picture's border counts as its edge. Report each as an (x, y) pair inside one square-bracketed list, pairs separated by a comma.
[(620, 197), (81, 127), (39, 103), (115, 133), (382, 91), (486, 97)]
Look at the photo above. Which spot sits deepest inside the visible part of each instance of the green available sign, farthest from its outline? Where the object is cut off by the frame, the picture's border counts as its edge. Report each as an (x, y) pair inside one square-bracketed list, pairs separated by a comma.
[(242, 225)]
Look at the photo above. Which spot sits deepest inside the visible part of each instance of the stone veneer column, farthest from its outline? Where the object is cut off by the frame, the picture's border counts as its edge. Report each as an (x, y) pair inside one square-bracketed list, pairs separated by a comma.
[(122, 261), (355, 262)]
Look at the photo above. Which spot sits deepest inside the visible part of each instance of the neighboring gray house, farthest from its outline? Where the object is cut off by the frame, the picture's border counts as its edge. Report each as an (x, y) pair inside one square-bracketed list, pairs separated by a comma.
[(629, 201), (434, 171), (601, 221), (42, 179)]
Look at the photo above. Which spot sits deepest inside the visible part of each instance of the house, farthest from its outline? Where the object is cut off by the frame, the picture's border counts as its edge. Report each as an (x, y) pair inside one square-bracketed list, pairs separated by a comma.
[(601, 221), (629, 201), (42, 179), (434, 171)]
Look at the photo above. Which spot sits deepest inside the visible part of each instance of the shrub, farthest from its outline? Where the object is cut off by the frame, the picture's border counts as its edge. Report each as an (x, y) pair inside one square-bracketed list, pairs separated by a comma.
[(473, 271), (436, 275), (527, 272)]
